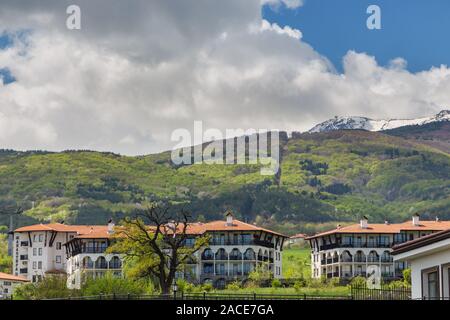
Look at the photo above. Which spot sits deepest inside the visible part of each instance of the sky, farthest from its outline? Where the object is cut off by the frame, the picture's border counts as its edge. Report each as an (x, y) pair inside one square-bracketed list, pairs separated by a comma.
[(138, 70)]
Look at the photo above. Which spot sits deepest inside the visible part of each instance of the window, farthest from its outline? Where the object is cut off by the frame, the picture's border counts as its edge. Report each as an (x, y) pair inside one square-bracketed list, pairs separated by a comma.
[(430, 283), (34, 251), (58, 246), (35, 238), (41, 238), (34, 264), (7, 283), (40, 252), (58, 259), (40, 265)]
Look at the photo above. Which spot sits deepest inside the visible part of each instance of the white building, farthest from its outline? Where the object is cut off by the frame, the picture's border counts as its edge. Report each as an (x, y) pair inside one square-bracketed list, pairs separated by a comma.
[(236, 248), (87, 257), (349, 251), (429, 258), (8, 283), (39, 249)]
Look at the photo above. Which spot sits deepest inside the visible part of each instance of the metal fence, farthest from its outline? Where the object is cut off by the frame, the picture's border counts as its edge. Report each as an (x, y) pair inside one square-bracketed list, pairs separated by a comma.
[(362, 292), (209, 296)]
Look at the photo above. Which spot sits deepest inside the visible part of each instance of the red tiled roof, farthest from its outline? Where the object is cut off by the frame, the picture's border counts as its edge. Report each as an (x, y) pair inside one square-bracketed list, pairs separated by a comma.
[(59, 227), (101, 232), (201, 228), (298, 236), (11, 277), (388, 228)]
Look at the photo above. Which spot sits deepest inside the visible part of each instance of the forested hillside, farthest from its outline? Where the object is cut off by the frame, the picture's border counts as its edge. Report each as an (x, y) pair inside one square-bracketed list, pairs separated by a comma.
[(324, 178)]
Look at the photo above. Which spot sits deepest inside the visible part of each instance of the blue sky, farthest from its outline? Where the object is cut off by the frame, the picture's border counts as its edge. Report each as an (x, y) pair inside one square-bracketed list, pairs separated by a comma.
[(416, 30)]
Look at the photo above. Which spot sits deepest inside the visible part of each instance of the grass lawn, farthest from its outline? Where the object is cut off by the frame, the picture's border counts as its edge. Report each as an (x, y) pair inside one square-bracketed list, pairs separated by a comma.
[(323, 291), (296, 262)]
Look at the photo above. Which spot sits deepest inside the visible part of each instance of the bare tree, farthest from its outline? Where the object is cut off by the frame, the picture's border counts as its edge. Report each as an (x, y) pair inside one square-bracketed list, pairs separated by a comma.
[(157, 249)]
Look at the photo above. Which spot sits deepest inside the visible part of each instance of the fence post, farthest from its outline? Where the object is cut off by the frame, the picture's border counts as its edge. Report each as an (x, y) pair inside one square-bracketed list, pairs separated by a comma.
[(204, 295), (254, 295)]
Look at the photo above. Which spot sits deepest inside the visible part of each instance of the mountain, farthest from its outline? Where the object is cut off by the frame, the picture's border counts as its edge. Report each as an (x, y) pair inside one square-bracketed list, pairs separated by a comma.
[(350, 123), (324, 178), (434, 134)]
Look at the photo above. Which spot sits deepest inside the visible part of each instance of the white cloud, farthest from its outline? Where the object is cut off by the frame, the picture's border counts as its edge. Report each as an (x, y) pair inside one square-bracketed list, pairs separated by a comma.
[(138, 70)]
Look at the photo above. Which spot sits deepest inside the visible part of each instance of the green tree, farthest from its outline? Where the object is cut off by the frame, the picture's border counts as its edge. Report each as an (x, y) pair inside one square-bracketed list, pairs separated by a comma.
[(110, 284), (49, 287), (157, 251), (5, 260)]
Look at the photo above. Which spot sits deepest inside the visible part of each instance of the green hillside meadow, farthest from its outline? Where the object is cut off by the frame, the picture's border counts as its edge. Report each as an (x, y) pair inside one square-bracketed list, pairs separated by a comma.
[(325, 178)]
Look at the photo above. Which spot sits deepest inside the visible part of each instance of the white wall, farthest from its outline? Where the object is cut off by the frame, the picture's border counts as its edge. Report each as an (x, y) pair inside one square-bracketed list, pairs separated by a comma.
[(425, 262)]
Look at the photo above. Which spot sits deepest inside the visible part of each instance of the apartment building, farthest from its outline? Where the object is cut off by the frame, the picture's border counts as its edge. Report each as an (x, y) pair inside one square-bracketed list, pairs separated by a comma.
[(8, 282), (350, 251), (87, 256), (236, 248), (39, 249)]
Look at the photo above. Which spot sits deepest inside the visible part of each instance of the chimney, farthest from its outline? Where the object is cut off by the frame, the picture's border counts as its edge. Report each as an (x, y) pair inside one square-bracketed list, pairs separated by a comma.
[(111, 226), (363, 222), (415, 219), (229, 217)]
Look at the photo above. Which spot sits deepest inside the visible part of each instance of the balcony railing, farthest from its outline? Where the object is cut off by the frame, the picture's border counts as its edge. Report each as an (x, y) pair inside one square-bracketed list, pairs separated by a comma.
[(221, 257), (360, 259), (235, 257), (370, 244)]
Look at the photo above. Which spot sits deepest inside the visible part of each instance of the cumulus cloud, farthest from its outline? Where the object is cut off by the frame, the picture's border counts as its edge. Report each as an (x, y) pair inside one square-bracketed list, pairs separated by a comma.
[(138, 70)]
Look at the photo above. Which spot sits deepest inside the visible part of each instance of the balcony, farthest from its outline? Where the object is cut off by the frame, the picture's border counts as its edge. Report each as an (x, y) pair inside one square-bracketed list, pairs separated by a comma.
[(207, 257), (94, 250)]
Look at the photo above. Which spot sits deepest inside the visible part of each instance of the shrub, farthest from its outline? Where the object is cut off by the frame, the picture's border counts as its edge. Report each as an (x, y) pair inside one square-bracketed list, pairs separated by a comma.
[(298, 285), (333, 282), (234, 286), (181, 284), (49, 287), (276, 283), (358, 281), (207, 287), (110, 284), (407, 276)]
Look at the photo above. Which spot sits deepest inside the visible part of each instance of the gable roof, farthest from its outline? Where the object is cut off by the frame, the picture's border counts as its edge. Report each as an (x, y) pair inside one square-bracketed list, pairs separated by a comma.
[(219, 225), (387, 228), (59, 227)]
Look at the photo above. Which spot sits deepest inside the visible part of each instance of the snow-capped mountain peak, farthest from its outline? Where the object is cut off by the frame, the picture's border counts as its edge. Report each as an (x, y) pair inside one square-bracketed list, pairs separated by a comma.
[(363, 123)]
